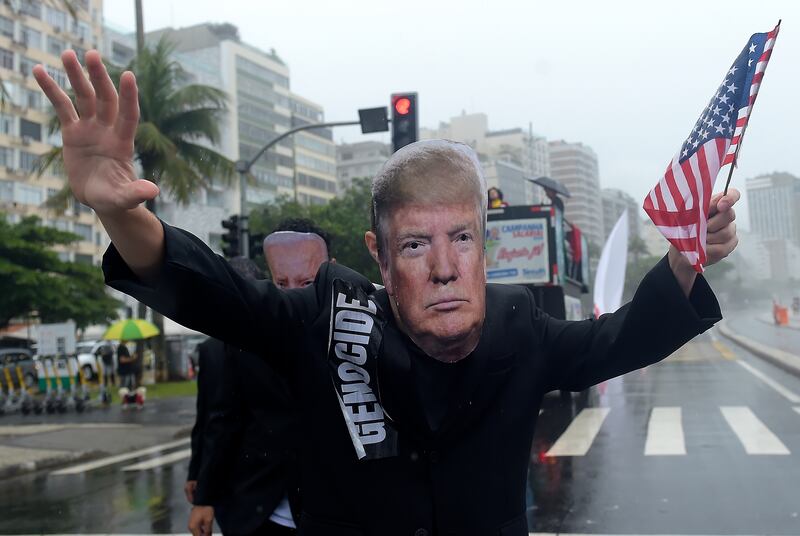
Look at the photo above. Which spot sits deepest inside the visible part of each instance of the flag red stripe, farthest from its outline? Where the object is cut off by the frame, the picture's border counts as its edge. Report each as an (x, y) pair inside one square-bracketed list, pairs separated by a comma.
[(680, 204)]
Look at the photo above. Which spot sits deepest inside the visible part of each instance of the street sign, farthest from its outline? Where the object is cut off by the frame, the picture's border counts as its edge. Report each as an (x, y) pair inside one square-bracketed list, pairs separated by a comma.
[(55, 339), (374, 119)]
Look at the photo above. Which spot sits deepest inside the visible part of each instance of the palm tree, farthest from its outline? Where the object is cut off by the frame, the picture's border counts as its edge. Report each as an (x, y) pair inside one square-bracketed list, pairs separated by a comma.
[(177, 120)]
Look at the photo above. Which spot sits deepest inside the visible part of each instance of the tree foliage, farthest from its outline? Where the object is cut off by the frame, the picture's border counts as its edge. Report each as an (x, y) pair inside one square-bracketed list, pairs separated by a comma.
[(345, 218), (177, 120), (33, 278)]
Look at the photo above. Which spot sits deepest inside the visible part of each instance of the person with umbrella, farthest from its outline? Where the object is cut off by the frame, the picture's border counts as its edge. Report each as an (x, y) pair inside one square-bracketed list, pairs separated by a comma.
[(127, 365)]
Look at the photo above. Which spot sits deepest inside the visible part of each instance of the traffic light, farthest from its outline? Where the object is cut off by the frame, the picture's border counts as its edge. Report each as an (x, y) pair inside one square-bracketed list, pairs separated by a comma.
[(405, 119), (231, 245), (256, 244)]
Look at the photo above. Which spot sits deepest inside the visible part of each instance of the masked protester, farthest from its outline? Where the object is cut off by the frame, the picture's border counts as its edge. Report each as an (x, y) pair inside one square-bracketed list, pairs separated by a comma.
[(417, 402)]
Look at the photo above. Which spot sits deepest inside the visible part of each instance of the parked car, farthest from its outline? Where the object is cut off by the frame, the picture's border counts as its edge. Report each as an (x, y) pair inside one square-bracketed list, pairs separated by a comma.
[(89, 351), (22, 357)]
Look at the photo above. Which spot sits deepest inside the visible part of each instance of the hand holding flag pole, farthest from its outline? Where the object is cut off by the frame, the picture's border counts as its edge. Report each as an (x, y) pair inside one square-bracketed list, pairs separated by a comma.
[(680, 204)]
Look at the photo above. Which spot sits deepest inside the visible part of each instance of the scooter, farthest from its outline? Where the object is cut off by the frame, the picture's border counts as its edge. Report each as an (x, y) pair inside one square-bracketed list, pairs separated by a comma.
[(105, 393), (84, 392), (56, 399), (28, 403), (73, 400), (12, 402)]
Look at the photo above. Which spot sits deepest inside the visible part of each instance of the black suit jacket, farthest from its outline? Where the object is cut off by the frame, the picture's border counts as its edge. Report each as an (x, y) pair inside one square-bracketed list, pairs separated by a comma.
[(468, 477), (248, 460)]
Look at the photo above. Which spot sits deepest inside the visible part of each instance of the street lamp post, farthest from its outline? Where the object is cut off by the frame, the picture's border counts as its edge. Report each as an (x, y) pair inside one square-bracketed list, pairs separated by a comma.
[(243, 168)]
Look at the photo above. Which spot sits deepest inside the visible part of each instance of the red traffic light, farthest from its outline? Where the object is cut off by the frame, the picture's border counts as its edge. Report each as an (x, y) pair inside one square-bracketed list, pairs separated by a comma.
[(403, 105)]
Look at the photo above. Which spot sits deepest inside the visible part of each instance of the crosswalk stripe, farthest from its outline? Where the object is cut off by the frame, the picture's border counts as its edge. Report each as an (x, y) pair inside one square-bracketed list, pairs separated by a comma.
[(754, 434), (797, 410), (579, 435), (789, 395), (665, 433), (160, 461), (111, 460)]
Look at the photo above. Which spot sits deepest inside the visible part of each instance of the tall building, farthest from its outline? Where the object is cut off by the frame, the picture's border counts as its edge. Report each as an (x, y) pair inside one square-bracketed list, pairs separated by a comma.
[(575, 165), (614, 204), (33, 32), (774, 206), (260, 107), (357, 160), (314, 154), (509, 157)]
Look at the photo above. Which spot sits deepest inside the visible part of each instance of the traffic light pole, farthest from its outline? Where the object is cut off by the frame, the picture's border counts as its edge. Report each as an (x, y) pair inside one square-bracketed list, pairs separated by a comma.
[(243, 168)]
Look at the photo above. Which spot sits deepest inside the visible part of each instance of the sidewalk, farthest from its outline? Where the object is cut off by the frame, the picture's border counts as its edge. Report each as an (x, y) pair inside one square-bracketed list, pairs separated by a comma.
[(35, 442), (785, 360)]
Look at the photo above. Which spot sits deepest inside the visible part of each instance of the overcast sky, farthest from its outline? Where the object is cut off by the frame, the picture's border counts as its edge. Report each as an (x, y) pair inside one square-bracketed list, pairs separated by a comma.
[(627, 78)]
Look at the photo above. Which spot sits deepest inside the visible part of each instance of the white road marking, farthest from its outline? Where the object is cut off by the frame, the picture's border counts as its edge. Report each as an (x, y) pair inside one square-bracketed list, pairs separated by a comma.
[(111, 460), (754, 434), (665, 433), (789, 395), (797, 410), (579, 435), (160, 461)]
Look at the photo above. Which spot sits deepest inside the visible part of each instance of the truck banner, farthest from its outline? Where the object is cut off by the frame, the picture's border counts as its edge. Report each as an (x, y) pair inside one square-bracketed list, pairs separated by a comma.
[(517, 251)]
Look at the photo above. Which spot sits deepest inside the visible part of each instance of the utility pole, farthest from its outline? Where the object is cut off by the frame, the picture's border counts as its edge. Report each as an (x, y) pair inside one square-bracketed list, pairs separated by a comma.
[(139, 27)]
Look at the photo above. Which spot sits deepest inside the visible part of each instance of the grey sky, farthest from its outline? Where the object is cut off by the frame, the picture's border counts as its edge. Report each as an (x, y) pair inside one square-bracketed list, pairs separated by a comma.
[(627, 78)]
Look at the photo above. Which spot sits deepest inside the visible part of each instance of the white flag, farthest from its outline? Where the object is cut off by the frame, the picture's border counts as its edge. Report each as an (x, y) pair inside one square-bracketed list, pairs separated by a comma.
[(609, 280)]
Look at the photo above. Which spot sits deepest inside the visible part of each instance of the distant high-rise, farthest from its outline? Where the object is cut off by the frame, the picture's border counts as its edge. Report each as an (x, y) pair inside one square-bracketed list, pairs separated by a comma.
[(575, 165), (614, 203), (314, 154), (509, 157), (357, 160), (774, 205), (34, 32)]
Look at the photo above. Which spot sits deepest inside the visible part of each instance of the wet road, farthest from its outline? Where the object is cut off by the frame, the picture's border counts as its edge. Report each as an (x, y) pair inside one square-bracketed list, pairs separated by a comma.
[(707, 442)]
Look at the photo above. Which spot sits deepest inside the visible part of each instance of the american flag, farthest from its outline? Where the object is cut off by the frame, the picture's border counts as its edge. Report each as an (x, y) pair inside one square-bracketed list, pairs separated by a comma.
[(679, 203)]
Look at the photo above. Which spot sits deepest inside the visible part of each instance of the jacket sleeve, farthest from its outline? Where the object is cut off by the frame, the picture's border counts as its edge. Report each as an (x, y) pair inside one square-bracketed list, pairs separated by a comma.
[(221, 426), (658, 321), (200, 290), (200, 417)]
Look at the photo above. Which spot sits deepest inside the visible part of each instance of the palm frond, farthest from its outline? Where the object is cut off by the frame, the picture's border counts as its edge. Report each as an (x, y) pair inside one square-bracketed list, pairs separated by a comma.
[(209, 163), (149, 139), (193, 124)]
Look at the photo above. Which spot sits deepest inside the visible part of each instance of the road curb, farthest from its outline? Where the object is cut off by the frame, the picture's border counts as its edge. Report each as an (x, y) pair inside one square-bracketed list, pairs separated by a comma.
[(18, 469), (780, 358)]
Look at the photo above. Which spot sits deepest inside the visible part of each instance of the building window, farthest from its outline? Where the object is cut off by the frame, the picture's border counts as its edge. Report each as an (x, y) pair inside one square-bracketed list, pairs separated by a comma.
[(28, 195), (28, 161), (26, 65), (82, 258), (57, 18), (30, 129), (84, 231), (6, 59), (6, 191), (347, 156), (6, 157), (33, 99), (30, 37), (7, 124), (55, 46), (32, 8), (6, 27), (59, 76), (215, 198)]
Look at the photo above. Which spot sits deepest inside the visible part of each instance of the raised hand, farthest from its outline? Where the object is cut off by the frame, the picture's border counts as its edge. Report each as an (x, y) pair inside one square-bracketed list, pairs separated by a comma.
[(721, 239), (98, 137)]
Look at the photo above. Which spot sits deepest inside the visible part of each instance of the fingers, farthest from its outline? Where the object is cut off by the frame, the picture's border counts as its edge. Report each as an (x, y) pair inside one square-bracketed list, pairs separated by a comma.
[(128, 119), (717, 252), (84, 92), (137, 192), (722, 236), (63, 106), (207, 526), (106, 92), (721, 220), (722, 203)]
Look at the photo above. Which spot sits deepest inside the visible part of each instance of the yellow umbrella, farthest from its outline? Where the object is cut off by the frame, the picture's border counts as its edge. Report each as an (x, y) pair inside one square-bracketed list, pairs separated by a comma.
[(132, 329)]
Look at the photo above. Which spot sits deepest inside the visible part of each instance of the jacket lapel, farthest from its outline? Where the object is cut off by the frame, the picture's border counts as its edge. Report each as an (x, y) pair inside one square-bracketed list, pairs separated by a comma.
[(396, 388)]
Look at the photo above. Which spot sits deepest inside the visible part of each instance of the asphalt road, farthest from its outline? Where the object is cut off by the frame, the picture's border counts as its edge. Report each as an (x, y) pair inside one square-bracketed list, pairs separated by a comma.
[(707, 442)]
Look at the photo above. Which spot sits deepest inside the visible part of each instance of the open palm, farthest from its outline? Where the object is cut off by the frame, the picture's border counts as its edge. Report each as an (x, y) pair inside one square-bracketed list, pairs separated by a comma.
[(98, 137)]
